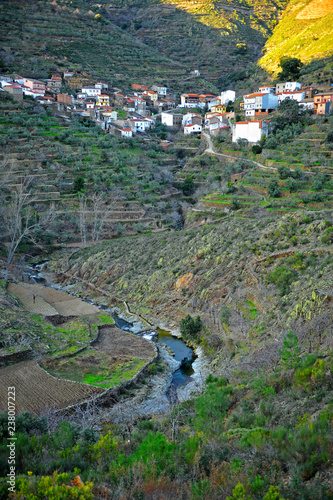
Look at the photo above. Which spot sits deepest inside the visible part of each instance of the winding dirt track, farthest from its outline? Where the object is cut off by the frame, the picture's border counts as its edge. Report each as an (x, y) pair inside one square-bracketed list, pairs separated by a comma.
[(211, 151)]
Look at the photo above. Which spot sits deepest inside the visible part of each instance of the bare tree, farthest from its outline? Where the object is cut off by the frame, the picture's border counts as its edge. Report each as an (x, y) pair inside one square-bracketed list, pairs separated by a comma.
[(101, 213), (83, 219), (7, 174), (20, 219)]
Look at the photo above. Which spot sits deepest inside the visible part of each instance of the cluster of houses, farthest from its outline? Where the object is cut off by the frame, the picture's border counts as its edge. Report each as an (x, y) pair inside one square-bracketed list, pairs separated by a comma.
[(256, 108), (126, 114)]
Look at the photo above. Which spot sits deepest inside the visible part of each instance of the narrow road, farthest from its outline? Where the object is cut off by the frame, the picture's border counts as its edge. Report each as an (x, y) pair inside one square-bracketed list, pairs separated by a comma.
[(211, 151)]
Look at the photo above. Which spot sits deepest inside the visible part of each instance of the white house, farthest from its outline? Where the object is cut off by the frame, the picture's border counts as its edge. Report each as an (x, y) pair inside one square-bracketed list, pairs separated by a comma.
[(296, 95), (192, 128), (150, 120), (228, 95), (267, 90), (34, 93), (171, 119), (91, 91), (6, 80), (139, 124), (160, 90), (251, 131), (101, 86), (189, 118), (259, 103), (214, 124), (167, 119), (281, 87), (307, 103), (189, 100), (126, 132), (110, 115)]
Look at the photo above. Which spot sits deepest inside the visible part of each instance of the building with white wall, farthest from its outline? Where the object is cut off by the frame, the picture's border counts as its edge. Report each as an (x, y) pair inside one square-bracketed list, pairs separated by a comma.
[(228, 95), (296, 95), (267, 90), (281, 87), (260, 103), (91, 91), (192, 128), (252, 131), (171, 119)]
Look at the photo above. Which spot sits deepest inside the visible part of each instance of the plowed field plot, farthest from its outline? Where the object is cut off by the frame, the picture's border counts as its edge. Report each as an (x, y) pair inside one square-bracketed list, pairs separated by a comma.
[(43, 300), (117, 357), (118, 343), (37, 391)]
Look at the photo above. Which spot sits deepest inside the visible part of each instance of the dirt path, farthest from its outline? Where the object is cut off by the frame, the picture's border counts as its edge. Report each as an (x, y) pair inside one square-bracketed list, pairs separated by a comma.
[(211, 151)]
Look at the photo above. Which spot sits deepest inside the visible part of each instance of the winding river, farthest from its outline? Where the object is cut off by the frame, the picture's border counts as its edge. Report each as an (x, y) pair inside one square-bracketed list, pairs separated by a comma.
[(181, 352)]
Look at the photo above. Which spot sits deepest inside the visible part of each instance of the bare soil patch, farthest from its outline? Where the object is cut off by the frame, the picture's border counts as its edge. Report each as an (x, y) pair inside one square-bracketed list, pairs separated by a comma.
[(37, 390), (39, 299), (118, 343)]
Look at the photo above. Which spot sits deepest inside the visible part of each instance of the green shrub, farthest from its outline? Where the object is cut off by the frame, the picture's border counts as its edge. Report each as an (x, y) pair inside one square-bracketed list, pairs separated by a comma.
[(273, 188), (190, 327), (256, 149), (188, 186), (282, 277), (225, 315), (284, 171), (290, 353)]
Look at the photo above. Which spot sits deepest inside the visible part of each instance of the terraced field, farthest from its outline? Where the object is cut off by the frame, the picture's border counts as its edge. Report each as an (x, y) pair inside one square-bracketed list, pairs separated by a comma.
[(37, 391), (39, 299), (133, 175), (114, 358)]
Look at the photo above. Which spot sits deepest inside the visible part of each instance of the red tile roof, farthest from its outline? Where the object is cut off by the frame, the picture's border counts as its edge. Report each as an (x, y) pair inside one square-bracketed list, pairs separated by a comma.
[(291, 92), (255, 95)]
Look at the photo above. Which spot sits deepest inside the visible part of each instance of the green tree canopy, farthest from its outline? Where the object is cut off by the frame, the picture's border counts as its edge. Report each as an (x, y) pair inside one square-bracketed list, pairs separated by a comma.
[(290, 68), (288, 112), (188, 186), (190, 327), (273, 187)]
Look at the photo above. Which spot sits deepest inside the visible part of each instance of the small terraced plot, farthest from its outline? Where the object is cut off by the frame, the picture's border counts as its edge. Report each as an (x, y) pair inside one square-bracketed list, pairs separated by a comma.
[(115, 358), (43, 300), (96, 368), (37, 391)]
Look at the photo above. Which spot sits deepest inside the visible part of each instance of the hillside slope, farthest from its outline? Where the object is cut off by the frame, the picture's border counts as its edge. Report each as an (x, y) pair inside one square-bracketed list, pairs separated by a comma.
[(168, 39), (305, 31), (249, 279)]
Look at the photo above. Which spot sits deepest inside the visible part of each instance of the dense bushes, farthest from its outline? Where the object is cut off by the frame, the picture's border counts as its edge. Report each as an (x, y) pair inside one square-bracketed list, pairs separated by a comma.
[(282, 277), (190, 327), (210, 444)]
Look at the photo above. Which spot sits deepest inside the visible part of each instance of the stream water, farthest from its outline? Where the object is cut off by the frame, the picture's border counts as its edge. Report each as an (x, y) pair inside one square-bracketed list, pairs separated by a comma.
[(182, 353)]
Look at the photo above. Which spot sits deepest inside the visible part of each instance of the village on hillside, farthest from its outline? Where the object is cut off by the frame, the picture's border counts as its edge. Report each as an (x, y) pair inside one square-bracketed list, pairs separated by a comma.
[(123, 114)]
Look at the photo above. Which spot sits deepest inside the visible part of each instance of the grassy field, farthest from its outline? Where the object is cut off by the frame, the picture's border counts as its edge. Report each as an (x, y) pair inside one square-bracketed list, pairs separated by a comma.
[(95, 368)]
